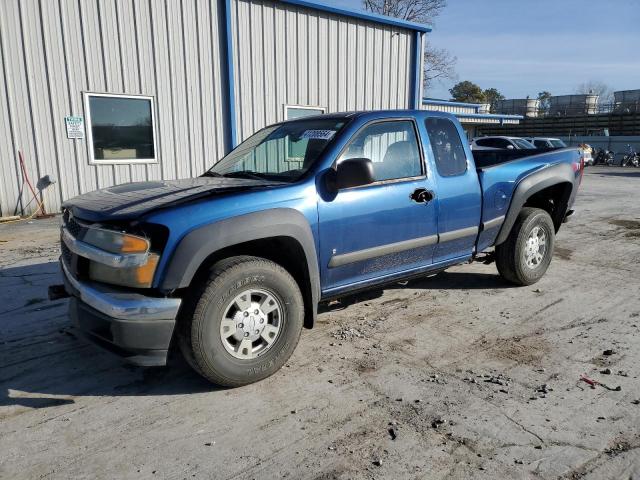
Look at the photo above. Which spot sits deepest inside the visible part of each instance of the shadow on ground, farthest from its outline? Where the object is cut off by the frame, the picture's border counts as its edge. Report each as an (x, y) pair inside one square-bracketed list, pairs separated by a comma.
[(42, 353), (621, 173), (442, 281)]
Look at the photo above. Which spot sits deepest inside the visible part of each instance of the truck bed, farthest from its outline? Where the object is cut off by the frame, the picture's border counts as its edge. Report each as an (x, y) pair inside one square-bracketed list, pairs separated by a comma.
[(501, 171), (490, 158)]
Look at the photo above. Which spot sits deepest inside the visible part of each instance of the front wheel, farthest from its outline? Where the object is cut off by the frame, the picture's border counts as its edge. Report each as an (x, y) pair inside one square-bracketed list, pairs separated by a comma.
[(523, 258), (244, 321)]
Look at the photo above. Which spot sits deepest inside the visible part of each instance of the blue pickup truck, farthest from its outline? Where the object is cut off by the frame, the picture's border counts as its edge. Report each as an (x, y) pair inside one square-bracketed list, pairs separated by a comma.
[(231, 266)]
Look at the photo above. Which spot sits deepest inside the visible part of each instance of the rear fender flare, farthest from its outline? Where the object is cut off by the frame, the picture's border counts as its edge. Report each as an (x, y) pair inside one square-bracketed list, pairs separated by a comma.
[(530, 185)]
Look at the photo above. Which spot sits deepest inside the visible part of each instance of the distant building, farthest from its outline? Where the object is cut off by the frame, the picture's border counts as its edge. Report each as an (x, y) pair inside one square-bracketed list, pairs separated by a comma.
[(527, 107), (586, 104), (627, 101), (471, 115)]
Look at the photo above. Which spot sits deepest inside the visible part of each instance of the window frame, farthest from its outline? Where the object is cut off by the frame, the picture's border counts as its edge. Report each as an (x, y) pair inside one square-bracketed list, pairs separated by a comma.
[(435, 160), (287, 106), (89, 130), (423, 166)]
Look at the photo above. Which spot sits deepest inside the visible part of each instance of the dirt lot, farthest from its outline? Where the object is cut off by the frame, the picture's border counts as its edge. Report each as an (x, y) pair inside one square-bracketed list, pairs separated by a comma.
[(454, 376)]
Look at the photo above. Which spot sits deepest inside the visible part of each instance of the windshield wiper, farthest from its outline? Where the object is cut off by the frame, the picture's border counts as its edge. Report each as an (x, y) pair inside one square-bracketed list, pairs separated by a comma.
[(245, 174), (211, 173)]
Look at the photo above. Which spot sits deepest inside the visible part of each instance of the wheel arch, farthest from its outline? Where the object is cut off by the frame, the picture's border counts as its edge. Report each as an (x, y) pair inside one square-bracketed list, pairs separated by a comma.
[(550, 189), (281, 235)]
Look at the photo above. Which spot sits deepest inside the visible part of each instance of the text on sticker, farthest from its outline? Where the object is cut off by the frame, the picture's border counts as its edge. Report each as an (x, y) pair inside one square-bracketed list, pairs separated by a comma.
[(318, 134)]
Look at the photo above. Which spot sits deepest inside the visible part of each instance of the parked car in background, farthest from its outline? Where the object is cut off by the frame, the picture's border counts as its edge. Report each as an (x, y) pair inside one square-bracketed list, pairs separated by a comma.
[(230, 266), (503, 143), (546, 142), (552, 143)]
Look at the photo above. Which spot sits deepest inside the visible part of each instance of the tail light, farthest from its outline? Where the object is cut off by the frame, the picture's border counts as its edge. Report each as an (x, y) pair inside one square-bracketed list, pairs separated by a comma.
[(578, 167)]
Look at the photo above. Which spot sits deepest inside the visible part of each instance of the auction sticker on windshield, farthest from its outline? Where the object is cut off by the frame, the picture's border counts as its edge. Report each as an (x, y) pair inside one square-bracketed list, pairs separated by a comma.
[(318, 134)]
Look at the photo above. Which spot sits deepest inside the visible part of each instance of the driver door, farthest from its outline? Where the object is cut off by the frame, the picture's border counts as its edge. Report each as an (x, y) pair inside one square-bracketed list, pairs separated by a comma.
[(375, 231)]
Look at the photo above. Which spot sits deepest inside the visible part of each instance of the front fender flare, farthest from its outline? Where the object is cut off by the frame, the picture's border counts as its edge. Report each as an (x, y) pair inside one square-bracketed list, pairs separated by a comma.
[(199, 244)]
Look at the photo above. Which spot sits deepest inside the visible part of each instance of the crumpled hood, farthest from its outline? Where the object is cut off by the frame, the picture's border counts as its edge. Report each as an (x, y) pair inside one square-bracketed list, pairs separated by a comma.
[(131, 200)]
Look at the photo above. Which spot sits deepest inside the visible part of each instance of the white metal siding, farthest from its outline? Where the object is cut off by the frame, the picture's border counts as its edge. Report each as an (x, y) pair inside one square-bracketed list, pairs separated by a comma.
[(52, 51), (449, 108), (287, 55)]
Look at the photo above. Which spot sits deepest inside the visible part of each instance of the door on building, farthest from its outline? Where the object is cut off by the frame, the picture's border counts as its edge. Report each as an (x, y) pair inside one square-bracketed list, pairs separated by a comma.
[(379, 230)]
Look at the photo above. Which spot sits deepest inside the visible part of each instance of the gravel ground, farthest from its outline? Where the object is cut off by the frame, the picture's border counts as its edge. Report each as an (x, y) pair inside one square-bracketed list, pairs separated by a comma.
[(454, 376)]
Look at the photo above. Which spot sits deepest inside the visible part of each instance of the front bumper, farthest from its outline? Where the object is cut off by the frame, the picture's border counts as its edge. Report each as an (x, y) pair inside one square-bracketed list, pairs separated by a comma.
[(136, 327)]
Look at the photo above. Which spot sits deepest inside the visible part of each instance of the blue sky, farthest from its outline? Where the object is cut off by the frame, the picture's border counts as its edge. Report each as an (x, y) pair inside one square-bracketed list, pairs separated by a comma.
[(522, 47)]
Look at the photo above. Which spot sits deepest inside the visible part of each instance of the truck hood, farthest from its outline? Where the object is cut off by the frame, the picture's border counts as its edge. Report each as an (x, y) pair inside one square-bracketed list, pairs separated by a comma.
[(132, 200)]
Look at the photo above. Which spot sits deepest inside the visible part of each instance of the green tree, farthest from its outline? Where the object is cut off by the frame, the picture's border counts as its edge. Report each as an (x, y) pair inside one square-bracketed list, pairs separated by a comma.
[(467, 91), (492, 96), (545, 101)]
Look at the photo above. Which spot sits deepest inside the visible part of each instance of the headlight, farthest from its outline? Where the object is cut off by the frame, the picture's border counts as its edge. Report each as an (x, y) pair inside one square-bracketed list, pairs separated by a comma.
[(138, 276), (116, 242)]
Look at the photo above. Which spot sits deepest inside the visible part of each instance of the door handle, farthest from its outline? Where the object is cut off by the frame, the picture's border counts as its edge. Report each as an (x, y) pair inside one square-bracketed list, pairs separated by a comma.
[(421, 195)]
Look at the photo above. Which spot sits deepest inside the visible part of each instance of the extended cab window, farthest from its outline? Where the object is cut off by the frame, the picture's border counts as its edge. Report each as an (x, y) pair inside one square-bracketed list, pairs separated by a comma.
[(447, 147), (391, 146)]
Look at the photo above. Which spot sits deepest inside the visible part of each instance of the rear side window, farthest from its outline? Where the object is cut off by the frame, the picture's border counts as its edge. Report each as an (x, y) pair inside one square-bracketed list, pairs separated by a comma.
[(447, 147)]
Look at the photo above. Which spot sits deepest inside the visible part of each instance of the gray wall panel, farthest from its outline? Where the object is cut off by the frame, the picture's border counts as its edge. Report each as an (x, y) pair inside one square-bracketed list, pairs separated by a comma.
[(54, 50), (299, 56)]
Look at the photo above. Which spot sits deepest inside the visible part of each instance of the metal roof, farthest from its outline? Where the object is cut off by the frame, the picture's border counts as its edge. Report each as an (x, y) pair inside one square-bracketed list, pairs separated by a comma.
[(371, 17), (491, 117), (435, 101), (497, 116)]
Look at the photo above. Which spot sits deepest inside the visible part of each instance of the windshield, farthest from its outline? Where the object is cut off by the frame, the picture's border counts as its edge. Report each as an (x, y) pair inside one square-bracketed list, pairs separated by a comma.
[(283, 152), (522, 144), (558, 143)]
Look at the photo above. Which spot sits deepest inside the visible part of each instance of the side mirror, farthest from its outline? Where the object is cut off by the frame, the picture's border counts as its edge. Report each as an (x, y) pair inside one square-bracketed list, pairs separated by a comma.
[(510, 147), (353, 172)]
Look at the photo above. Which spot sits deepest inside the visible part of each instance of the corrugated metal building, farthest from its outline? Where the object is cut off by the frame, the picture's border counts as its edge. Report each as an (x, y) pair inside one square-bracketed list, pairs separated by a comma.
[(100, 92)]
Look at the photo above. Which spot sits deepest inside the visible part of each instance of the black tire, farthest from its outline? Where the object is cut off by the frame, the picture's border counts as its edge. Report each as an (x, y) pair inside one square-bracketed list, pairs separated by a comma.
[(510, 255), (199, 333)]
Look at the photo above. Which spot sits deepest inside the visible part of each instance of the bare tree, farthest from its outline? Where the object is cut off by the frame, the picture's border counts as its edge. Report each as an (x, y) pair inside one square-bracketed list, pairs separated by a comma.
[(439, 64), (422, 11), (596, 87)]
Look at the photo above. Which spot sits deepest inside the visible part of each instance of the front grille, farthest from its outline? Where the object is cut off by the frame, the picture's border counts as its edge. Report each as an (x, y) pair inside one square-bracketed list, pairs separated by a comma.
[(73, 262), (73, 227), (67, 255)]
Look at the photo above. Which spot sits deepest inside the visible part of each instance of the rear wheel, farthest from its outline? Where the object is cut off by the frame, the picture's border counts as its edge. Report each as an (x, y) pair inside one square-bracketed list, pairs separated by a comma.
[(523, 258), (244, 322)]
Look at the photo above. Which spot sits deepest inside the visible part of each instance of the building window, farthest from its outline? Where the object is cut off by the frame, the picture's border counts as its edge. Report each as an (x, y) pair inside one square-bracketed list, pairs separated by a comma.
[(120, 128), (296, 149), (447, 148), (299, 111)]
